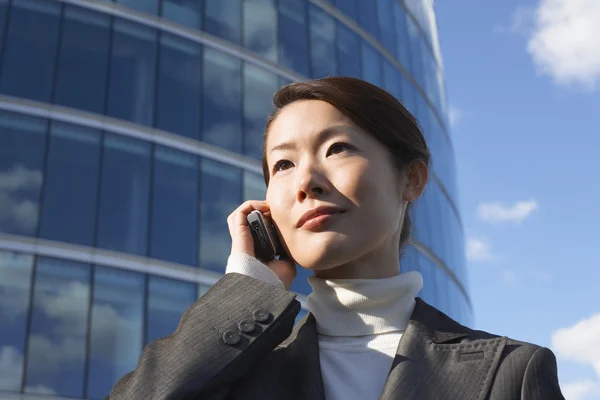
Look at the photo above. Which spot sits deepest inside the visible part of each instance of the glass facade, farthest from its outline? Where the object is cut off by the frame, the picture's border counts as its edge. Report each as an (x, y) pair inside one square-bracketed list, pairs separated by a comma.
[(124, 145)]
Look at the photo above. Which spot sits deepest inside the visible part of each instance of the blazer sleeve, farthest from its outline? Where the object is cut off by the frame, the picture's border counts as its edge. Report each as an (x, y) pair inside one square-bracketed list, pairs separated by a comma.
[(219, 339), (541, 378)]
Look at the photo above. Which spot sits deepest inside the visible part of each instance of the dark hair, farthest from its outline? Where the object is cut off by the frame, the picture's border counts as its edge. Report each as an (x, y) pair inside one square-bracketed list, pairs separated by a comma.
[(369, 107)]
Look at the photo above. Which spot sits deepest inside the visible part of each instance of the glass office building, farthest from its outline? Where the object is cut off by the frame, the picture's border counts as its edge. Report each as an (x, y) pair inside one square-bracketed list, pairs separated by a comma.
[(129, 130)]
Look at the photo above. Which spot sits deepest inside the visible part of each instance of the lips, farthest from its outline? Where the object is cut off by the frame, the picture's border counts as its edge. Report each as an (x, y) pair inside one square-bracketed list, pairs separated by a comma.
[(315, 212)]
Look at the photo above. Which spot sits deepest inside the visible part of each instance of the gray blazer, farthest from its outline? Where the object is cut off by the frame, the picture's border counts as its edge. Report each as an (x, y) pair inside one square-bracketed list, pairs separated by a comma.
[(238, 342)]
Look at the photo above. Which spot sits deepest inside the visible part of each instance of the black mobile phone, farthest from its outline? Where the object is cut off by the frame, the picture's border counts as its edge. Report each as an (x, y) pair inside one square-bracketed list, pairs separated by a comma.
[(266, 243)]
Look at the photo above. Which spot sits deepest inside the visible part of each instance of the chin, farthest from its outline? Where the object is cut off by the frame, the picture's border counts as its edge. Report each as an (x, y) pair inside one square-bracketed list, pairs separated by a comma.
[(324, 251)]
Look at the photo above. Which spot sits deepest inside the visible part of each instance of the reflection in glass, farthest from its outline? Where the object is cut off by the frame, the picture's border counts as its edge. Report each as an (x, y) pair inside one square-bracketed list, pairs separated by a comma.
[(184, 12), (15, 280), (167, 301), (72, 173), (149, 6), (371, 64), (385, 17), (132, 72), (260, 27), (3, 12), (174, 231), (414, 40), (59, 322), (222, 122), (348, 51), (254, 187), (224, 19), (293, 36), (221, 194), (322, 44), (179, 86), (22, 146), (83, 60), (116, 330), (367, 17), (30, 49), (391, 79), (124, 192), (259, 88), (402, 43), (348, 7)]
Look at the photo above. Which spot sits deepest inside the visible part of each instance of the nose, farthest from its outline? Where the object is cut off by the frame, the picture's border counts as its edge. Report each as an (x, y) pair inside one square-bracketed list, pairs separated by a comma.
[(311, 182)]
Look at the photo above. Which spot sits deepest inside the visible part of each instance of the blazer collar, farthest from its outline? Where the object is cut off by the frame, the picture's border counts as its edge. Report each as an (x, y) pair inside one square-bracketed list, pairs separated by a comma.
[(436, 358), (439, 358)]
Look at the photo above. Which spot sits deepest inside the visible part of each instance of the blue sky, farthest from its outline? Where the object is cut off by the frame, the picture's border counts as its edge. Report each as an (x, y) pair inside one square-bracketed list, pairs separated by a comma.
[(523, 81)]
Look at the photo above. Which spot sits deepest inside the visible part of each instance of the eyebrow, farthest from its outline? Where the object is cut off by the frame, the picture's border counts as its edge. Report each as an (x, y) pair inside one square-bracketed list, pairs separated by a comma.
[(321, 137)]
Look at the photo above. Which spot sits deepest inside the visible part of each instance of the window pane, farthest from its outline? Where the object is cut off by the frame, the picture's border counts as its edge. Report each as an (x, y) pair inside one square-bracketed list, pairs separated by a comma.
[(385, 16), (57, 341), (402, 42), (221, 194), (179, 86), (348, 51), (83, 60), (116, 330), (174, 233), (408, 95), (415, 51), (184, 12), (22, 146), (391, 81), (367, 16), (224, 19), (260, 27), (71, 188), (293, 36), (348, 7), (322, 45), (30, 49), (254, 187), (132, 73), (149, 6), (167, 301), (3, 12), (371, 64), (259, 88), (123, 215), (15, 282), (223, 113)]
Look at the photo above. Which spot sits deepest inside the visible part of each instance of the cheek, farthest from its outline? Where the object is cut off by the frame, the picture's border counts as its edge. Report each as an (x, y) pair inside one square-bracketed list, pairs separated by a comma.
[(278, 203), (374, 192)]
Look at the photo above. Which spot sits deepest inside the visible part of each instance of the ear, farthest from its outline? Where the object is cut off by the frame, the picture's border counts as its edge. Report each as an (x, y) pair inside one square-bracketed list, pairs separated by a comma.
[(416, 179)]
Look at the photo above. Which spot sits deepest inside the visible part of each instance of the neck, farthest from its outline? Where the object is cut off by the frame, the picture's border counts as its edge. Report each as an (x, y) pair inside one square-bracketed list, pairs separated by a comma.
[(378, 264)]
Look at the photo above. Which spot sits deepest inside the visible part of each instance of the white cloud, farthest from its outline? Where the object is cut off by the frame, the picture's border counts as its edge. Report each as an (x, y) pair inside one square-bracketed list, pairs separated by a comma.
[(580, 390), (454, 115), (564, 41), (580, 343), (497, 212), (478, 250)]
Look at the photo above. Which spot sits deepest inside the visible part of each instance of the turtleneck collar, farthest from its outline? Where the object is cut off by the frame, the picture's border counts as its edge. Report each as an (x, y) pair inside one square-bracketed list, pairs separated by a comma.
[(360, 307)]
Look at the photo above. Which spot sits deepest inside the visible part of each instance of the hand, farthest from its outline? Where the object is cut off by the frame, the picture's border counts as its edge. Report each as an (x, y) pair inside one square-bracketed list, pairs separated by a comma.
[(242, 241)]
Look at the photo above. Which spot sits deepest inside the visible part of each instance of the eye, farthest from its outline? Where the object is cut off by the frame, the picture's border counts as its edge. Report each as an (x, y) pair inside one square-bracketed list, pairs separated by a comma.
[(338, 147), (281, 165)]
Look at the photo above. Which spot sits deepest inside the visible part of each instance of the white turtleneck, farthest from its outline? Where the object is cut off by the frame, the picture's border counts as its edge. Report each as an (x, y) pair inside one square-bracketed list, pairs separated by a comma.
[(359, 323)]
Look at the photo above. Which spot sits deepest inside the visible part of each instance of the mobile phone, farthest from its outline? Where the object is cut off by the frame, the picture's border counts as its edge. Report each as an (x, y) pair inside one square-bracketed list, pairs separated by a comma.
[(266, 243)]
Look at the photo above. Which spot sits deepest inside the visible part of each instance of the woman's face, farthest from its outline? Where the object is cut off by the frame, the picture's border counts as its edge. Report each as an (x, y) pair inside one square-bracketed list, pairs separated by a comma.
[(321, 163)]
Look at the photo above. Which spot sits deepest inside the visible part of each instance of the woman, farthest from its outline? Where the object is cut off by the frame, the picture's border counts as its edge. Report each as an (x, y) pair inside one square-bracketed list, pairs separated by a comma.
[(343, 161)]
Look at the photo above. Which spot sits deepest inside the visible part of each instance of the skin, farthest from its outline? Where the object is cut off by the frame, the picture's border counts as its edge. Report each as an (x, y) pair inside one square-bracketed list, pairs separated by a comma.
[(318, 157)]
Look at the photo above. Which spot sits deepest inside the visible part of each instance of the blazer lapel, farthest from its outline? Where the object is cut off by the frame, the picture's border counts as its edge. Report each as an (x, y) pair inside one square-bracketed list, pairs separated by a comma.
[(437, 359), (302, 349)]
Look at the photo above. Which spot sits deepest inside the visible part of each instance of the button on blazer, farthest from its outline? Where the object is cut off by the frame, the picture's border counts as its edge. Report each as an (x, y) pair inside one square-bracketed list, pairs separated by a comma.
[(238, 341)]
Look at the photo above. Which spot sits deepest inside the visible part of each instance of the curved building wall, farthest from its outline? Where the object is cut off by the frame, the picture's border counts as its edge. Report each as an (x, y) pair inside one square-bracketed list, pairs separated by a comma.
[(129, 130)]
